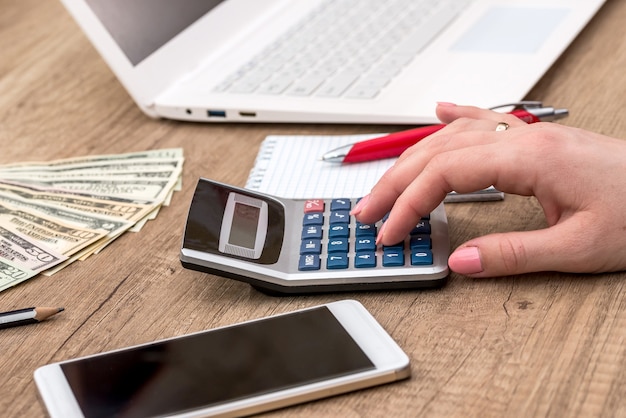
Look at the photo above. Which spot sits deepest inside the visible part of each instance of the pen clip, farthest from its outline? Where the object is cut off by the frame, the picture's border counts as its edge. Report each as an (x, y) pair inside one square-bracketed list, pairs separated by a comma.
[(524, 104)]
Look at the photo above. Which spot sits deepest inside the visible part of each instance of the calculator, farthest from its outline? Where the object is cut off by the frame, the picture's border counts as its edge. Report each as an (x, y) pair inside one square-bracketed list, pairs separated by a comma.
[(297, 246)]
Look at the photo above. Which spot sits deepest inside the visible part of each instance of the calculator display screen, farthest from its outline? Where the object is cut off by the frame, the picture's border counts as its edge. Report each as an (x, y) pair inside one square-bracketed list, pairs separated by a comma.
[(235, 223), (243, 229), (244, 226)]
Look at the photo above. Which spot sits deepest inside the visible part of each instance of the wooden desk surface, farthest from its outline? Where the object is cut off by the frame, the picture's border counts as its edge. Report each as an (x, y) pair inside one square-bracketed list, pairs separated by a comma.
[(535, 345)]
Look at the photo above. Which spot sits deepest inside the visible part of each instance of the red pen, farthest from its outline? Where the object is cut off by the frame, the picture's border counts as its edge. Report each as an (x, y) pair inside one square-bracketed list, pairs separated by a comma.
[(394, 144)]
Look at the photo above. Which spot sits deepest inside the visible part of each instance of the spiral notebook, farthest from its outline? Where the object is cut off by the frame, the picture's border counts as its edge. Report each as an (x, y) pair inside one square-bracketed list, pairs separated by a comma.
[(290, 166)]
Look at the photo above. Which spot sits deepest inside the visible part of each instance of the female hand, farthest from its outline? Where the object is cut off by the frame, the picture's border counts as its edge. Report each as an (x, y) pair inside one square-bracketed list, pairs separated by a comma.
[(578, 177)]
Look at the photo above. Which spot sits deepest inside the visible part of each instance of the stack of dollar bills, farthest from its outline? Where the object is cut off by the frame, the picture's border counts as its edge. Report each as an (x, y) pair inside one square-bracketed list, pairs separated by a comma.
[(54, 213)]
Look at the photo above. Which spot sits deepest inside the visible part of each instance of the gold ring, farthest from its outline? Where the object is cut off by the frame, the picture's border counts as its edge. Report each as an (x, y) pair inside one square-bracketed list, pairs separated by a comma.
[(502, 126)]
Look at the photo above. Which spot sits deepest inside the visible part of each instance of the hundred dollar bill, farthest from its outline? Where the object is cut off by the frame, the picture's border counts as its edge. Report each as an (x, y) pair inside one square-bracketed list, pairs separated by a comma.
[(56, 212), (46, 176), (113, 225), (154, 191), (168, 153), (119, 208), (23, 253), (48, 232), (131, 168), (134, 164), (10, 274)]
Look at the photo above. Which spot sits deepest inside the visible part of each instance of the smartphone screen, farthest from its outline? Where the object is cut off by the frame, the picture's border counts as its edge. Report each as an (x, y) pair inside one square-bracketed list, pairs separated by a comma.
[(211, 368)]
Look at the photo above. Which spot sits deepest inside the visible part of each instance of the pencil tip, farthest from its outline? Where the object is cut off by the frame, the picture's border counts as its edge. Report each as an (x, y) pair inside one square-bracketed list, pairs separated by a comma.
[(60, 309)]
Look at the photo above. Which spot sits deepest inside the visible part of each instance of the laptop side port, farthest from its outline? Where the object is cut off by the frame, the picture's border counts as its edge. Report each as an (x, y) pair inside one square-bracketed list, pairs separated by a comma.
[(247, 114), (216, 113)]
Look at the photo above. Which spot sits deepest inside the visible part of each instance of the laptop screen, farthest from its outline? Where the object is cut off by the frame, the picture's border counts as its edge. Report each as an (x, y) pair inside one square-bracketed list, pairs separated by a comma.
[(140, 27)]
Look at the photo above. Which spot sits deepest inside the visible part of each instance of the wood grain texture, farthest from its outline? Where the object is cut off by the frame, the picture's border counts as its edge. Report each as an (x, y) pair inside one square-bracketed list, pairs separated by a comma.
[(545, 344)]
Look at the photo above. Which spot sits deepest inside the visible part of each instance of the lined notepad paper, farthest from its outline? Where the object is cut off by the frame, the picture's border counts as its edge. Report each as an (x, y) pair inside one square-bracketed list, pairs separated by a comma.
[(291, 167)]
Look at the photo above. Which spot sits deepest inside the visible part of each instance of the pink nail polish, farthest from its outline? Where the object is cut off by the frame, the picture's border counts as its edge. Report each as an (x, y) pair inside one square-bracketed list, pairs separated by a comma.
[(359, 206), (446, 104), (466, 261)]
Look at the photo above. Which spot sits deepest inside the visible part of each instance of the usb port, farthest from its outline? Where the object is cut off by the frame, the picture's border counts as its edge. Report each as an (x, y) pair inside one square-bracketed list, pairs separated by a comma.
[(216, 113), (247, 114)]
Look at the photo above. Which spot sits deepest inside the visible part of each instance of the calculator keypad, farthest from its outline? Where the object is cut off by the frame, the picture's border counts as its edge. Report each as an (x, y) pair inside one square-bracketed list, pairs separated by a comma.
[(332, 239)]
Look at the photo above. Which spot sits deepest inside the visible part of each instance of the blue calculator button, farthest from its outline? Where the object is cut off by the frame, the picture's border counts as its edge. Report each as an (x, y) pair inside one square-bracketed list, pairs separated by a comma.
[(422, 227), (366, 259), (337, 261), (365, 244), (365, 229), (393, 257), (421, 258), (309, 262), (340, 204), (395, 247), (339, 231), (339, 217), (420, 241), (313, 219), (312, 231), (311, 246), (338, 245)]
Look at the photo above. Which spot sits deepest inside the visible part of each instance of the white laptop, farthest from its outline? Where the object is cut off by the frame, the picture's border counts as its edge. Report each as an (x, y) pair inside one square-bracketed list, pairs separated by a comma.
[(327, 61)]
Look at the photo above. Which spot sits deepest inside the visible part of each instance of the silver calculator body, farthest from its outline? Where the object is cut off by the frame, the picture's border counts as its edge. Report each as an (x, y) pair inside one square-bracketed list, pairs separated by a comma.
[(290, 246)]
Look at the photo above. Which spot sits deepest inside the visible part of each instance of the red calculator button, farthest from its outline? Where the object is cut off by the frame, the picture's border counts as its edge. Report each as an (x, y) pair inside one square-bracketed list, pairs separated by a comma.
[(314, 205)]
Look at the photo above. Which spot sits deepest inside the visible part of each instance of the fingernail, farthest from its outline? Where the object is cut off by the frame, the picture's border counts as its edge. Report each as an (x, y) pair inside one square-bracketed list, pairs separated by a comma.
[(466, 261), (360, 205), (381, 231), (446, 104)]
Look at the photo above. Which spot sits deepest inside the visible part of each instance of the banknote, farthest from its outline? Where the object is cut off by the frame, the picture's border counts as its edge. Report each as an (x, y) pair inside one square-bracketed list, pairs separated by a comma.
[(98, 165), (47, 176), (130, 169), (114, 225), (122, 208), (48, 232), (10, 274), (22, 252), (145, 190), (54, 213), (166, 153)]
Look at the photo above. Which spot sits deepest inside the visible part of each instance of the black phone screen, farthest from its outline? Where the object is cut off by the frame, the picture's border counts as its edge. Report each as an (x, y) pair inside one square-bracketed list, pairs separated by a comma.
[(210, 368)]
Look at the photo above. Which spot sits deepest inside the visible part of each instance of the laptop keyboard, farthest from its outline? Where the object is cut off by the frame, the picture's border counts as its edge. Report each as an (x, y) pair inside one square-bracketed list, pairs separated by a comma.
[(345, 48)]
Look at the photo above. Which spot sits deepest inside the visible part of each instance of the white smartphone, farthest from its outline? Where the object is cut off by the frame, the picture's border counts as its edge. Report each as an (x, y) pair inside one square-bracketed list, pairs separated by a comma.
[(242, 369)]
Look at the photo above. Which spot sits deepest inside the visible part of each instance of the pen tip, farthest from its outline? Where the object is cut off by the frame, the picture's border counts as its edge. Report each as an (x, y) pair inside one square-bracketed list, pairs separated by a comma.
[(332, 158), (560, 113)]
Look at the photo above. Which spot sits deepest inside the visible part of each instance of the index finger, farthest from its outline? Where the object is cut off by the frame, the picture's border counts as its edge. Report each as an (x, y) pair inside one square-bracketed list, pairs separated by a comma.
[(460, 134), (462, 170)]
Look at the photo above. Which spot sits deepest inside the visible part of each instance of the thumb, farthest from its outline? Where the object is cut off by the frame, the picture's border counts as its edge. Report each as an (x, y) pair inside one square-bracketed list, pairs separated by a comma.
[(551, 249)]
